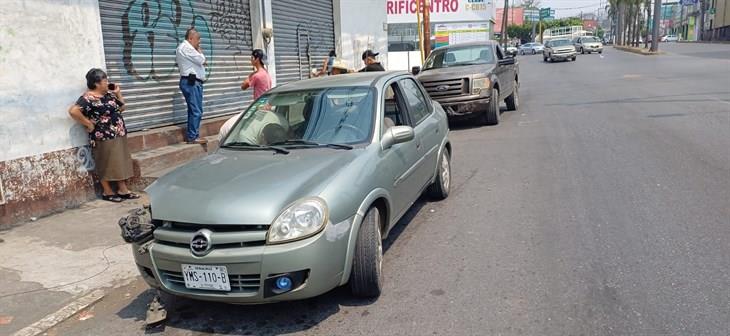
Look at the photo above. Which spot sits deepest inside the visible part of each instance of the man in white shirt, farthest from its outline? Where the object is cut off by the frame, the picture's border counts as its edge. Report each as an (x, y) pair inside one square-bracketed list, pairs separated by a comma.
[(190, 61)]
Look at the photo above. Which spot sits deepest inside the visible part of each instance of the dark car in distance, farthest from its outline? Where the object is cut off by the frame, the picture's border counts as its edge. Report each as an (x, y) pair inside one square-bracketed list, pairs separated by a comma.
[(470, 80)]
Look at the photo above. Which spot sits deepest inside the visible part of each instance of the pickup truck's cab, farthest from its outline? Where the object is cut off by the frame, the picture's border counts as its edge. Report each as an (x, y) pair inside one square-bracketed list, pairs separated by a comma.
[(471, 79)]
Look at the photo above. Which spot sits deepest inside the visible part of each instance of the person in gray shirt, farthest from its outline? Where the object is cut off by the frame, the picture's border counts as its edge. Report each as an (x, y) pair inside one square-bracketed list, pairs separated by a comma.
[(191, 62)]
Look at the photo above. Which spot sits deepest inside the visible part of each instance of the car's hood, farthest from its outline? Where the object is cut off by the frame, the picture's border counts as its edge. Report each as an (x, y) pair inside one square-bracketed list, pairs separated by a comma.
[(454, 72), (244, 187), (593, 44)]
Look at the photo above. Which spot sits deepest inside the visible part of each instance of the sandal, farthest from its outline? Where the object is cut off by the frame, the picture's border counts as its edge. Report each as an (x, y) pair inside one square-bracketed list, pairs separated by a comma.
[(112, 198), (129, 195)]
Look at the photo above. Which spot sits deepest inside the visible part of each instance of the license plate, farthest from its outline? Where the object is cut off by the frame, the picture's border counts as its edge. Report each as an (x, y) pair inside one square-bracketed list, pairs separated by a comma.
[(206, 277)]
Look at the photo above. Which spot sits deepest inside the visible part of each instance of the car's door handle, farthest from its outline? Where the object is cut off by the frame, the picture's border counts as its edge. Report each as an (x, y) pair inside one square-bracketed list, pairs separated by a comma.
[(418, 145)]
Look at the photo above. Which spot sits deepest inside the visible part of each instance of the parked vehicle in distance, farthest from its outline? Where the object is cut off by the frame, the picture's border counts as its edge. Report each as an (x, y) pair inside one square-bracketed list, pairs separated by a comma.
[(670, 38), (470, 80), (301, 193), (588, 44), (558, 49), (511, 51), (531, 48)]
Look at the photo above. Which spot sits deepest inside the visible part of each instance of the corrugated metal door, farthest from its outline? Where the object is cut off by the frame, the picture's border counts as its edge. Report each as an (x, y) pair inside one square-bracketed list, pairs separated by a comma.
[(304, 34), (140, 38)]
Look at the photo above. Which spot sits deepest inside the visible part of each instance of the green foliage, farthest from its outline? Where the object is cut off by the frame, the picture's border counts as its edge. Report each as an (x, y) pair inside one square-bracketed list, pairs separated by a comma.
[(522, 32)]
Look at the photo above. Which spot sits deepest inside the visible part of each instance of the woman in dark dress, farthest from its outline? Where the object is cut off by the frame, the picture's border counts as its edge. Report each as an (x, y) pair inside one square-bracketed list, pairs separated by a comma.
[(100, 111)]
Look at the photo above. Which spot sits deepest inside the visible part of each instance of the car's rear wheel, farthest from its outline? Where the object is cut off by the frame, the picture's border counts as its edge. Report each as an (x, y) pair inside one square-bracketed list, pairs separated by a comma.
[(491, 115), (366, 279), (441, 185), (514, 99)]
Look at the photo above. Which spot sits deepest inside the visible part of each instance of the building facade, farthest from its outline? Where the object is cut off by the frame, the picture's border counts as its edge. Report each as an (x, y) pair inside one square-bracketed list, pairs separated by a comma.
[(451, 21), (45, 161)]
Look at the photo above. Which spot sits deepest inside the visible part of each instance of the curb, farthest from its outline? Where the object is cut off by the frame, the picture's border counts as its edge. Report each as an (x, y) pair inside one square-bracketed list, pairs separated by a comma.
[(61, 315), (639, 51)]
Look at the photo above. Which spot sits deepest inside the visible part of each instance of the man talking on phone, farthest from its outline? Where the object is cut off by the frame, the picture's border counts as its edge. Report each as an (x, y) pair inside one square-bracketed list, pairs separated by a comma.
[(190, 61)]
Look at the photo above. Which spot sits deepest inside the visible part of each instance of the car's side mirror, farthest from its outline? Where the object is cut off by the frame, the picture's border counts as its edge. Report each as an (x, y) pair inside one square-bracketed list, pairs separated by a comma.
[(396, 135), (507, 61), (415, 70)]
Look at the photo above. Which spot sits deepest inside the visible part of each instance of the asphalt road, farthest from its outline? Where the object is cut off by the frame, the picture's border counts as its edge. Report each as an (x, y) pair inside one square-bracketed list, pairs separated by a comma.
[(601, 207)]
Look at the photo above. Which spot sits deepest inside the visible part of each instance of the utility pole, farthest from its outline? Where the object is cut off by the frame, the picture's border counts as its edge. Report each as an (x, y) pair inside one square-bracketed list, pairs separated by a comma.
[(504, 24), (426, 28), (702, 20), (655, 28)]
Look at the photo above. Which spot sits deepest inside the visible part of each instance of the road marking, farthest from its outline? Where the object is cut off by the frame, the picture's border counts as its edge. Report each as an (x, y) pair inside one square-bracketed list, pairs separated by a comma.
[(61, 315)]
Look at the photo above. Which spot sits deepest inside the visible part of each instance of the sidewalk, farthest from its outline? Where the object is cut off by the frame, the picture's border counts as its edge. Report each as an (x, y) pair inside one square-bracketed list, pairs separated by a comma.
[(64, 260)]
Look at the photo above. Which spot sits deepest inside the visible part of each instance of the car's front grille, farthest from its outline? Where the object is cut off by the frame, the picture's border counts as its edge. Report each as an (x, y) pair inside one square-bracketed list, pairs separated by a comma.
[(447, 88), (564, 51), (222, 236), (240, 283)]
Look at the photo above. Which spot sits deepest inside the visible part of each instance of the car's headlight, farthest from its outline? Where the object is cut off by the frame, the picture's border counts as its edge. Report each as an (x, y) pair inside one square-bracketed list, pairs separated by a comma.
[(479, 84), (300, 220)]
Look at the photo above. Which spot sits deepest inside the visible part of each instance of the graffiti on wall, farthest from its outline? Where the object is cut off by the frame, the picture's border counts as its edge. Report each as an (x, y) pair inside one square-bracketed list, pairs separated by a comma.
[(225, 19), (85, 159), (150, 28)]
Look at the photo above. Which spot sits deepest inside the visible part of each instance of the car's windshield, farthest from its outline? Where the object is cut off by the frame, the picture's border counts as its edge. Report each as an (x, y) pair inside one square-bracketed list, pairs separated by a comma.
[(460, 56), (589, 39), (325, 116), (559, 43)]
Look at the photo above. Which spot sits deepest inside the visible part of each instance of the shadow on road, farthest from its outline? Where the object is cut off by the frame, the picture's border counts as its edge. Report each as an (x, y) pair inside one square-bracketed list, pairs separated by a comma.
[(269, 319), (462, 124)]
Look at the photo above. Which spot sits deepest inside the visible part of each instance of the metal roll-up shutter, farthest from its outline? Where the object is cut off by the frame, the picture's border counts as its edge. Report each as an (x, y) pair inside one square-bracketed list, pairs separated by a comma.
[(304, 34), (140, 38)]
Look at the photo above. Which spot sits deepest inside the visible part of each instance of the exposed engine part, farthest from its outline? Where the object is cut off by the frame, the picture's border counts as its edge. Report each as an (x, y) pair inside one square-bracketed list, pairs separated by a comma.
[(156, 312), (137, 227)]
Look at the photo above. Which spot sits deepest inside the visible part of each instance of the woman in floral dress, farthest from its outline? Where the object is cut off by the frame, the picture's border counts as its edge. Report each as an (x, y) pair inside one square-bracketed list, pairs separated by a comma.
[(100, 111)]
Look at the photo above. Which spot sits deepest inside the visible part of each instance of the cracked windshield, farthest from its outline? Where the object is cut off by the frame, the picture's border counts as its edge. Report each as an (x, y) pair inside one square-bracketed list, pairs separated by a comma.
[(364, 167)]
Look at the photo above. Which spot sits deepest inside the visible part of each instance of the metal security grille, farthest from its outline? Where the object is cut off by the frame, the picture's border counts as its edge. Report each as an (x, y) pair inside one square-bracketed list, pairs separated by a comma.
[(140, 38), (303, 36)]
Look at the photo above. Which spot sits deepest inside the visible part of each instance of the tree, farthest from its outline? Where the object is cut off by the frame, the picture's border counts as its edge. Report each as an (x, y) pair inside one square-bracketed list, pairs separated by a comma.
[(523, 32)]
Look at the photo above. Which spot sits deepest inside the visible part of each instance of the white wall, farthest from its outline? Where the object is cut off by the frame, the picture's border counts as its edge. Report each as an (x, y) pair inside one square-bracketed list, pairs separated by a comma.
[(47, 46), (359, 25)]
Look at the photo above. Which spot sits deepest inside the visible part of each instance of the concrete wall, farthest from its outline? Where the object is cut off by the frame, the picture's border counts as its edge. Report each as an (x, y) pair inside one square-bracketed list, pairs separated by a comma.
[(47, 48), (360, 25)]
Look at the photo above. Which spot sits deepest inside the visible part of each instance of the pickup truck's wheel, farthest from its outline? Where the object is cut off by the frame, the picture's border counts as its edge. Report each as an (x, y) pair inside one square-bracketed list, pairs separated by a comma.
[(513, 100), (491, 115), (366, 279), (441, 185)]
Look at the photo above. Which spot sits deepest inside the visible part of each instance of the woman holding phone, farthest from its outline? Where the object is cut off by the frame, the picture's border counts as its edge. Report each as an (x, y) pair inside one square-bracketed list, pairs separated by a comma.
[(100, 110)]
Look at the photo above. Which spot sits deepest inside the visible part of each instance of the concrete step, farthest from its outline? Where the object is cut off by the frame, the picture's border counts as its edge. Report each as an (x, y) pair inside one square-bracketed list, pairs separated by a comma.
[(152, 163), (165, 136)]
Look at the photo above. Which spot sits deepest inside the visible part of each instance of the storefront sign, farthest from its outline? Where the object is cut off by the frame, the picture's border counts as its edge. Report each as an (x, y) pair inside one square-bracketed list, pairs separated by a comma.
[(404, 11), (447, 34)]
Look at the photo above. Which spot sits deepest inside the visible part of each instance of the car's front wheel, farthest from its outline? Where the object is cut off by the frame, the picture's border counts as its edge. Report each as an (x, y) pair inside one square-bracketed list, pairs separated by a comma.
[(441, 185), (491, 115), (366, 279)]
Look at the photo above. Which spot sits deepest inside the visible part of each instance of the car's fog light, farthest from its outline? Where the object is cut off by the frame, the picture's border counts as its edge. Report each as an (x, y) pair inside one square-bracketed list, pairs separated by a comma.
[(283, 283)]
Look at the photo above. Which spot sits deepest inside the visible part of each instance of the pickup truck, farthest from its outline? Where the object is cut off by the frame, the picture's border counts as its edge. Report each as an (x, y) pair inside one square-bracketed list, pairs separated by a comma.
[(470, 80)]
